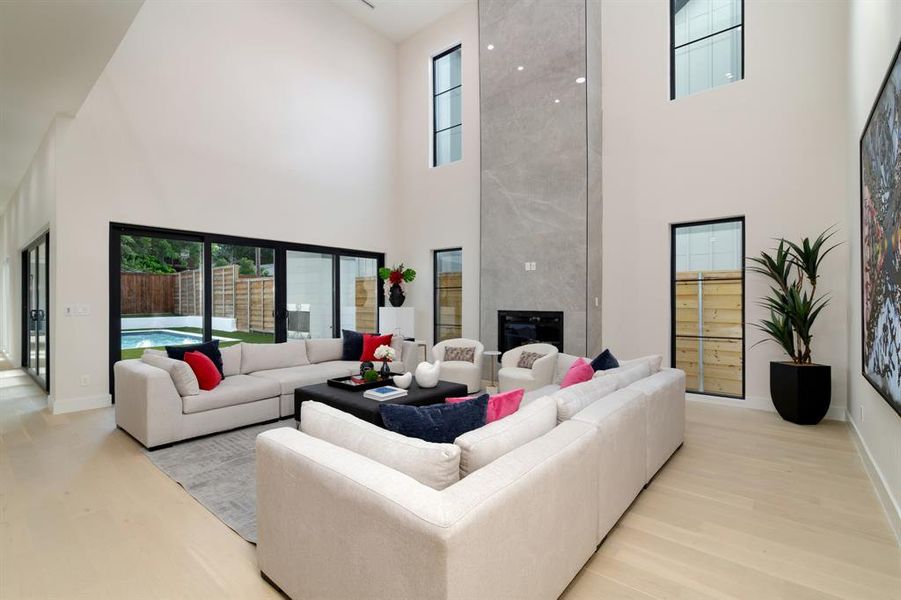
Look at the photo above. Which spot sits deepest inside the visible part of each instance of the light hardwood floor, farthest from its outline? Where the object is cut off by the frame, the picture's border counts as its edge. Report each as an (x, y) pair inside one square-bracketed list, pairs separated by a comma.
[(751, 507)]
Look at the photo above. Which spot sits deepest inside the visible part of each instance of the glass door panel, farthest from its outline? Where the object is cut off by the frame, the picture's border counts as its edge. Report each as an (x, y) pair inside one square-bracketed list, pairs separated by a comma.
[(359, 293), (41, 330), (448, 294), (35, 334), (243, 294), (309, 287), (161, 293)]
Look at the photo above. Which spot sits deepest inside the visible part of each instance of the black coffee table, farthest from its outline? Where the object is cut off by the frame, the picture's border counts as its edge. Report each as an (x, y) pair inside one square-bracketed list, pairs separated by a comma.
[(353, 402)]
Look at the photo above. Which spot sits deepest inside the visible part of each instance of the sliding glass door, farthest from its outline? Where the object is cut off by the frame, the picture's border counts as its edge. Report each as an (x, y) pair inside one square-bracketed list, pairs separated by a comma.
[(175, 287), (35, 310)]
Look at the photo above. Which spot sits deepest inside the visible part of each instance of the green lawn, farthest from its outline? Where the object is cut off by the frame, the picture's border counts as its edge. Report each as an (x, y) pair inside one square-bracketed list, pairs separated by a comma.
[(237, 336)]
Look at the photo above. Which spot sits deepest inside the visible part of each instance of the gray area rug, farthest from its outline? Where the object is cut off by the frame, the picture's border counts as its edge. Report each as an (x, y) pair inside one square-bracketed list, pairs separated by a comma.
[(220, 472)]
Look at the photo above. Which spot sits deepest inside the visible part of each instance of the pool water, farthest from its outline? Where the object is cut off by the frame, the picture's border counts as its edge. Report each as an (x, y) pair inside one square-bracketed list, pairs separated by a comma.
[(150, 338)]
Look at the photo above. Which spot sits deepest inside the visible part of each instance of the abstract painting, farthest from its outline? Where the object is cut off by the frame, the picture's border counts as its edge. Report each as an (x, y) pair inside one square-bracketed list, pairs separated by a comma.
[(880, 216)]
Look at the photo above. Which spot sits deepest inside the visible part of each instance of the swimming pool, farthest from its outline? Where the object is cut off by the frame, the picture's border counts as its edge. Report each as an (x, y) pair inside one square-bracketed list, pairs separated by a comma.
[(150, 338)]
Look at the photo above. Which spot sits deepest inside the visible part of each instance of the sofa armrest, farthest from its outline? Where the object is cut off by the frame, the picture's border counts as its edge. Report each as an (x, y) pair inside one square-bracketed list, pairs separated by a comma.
[(543, 369), (410, 541), (665, 393), (147, 404), (510, 358)]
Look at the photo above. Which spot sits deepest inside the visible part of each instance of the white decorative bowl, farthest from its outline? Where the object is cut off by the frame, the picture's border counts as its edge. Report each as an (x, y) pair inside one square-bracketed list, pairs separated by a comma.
[(403, 381), (427, 374)]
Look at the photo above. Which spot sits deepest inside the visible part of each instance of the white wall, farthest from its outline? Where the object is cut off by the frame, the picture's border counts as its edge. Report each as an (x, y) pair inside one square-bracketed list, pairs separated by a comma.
[(29, 213), (440, 205), (263, 119), (772, 147), (875, 29)]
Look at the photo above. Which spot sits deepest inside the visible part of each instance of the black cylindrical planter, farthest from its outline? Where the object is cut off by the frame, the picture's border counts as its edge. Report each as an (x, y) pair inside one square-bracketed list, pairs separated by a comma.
[(801, 393)]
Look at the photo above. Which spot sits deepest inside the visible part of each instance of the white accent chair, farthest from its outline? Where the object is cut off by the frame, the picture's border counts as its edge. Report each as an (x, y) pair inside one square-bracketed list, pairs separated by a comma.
[(511, 376), (458, 371)]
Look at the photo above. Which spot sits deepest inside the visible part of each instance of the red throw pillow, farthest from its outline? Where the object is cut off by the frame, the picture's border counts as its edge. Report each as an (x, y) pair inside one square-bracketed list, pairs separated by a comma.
[(207, 374), (370, 343)]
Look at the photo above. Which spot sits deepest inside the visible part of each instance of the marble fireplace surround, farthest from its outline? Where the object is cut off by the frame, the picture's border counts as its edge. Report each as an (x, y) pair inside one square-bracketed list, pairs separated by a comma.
[(540, 172)]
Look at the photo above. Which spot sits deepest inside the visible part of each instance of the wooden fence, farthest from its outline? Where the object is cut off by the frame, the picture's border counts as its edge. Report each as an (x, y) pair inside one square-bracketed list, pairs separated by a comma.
[(366, 302), (147, 293), (709, 336)]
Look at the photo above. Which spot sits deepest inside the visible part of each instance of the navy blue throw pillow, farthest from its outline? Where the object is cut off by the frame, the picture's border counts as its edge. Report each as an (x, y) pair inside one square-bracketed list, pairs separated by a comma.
[(603, 361), (353, 345), (211, 349), (438, 423)]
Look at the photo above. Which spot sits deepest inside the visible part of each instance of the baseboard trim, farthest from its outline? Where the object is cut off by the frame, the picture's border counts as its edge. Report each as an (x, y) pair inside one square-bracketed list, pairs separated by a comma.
[(889, 504), (68, 405), (836, 413)]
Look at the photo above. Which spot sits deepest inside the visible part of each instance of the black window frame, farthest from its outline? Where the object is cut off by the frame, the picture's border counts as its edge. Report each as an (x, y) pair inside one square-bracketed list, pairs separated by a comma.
[(280, 250), (41, 378), (436, 289), (435, 130), (744, 351), (673, 47)]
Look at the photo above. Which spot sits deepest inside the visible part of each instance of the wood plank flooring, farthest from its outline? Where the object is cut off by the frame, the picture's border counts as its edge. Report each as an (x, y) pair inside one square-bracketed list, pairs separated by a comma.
[(751, 507)]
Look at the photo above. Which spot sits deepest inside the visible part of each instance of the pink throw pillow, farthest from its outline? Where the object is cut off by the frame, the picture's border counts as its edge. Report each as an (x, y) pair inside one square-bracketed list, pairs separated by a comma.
[(579, 372), (499, 405)]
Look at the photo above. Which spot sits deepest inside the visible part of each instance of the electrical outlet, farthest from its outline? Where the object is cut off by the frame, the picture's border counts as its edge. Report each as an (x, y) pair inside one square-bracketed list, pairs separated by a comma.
[(68, 310), (534, 266), (85, 380)]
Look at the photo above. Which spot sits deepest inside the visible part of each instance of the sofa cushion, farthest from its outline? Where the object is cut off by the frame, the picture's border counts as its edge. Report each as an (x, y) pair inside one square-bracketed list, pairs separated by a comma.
[(291, 378), (499, 405), (211, 349), (564, 362), (371, 342), (626, 376), (208, 376), (183, 377), (231, 359), (545, 390), (263, 357), (237, 389), (323, 350), (440, 423), (460, 353), (486, 444), (527, 359), (653, 361), (351, 345), (574, 398), (434, 465)]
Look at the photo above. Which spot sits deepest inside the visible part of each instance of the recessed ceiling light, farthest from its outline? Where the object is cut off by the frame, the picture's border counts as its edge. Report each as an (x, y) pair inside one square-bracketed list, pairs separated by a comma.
[(490, 46), (520, 68), (556, 100), (580, 80)]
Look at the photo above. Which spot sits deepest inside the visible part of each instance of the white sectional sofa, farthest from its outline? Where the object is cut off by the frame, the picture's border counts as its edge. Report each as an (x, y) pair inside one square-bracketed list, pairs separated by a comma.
[(258, 386), (538, 491)]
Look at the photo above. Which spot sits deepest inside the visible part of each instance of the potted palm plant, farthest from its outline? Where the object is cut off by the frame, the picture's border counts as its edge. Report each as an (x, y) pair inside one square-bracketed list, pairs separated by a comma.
[(801, 390)]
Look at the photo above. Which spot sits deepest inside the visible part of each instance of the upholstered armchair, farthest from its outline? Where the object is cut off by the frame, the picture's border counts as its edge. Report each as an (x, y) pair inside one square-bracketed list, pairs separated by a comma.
[(511, 376), (460, 371)]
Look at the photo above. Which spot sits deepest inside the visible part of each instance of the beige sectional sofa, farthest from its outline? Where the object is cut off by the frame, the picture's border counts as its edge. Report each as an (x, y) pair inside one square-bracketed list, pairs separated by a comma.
[(537, 492), (258, 386)]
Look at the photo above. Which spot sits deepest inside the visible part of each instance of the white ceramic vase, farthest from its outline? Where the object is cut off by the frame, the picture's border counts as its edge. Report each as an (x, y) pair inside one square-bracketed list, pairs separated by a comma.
[(427, 374), (403, 381)]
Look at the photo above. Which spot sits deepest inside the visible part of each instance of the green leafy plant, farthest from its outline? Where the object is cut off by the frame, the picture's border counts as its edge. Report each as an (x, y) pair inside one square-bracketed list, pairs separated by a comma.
[(397, 274), (370, 375), (793, 271)]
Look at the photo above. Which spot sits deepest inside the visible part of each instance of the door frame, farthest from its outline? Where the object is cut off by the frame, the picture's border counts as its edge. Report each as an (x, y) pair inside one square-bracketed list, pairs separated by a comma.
[(42, 378), (744, 350), (280, 250)]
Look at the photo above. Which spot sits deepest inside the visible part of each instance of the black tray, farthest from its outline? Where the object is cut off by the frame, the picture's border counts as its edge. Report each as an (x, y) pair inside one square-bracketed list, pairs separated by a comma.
[(345, 383)]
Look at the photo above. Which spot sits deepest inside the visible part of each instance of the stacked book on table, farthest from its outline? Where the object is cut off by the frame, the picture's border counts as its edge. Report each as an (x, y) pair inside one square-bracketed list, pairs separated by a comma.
[(386, 392)]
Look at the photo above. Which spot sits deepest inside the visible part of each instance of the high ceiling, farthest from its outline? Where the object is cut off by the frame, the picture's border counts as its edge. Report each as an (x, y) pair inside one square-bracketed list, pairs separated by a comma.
[(51, 54), (399, 19)]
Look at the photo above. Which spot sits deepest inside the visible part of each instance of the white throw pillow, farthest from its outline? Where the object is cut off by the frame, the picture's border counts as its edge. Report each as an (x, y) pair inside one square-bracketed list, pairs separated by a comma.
[(324, 350), (653, 361), (231, 359), (264, 357), (574, 398), (486, 444), (182, 376), (434, 465)]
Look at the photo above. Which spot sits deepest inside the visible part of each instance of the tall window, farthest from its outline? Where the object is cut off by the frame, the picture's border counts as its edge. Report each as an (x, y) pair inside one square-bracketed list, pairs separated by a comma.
[(447, 108), (708, 306), (448, 294), (707, 45)]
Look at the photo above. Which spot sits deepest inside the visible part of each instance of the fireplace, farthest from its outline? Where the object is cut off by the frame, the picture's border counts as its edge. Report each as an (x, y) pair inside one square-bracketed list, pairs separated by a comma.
[(518, 327)]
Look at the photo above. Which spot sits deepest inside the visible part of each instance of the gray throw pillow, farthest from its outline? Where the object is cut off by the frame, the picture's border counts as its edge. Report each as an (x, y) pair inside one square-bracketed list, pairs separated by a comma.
[(460, 353), (182, 376), (527, 359)]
